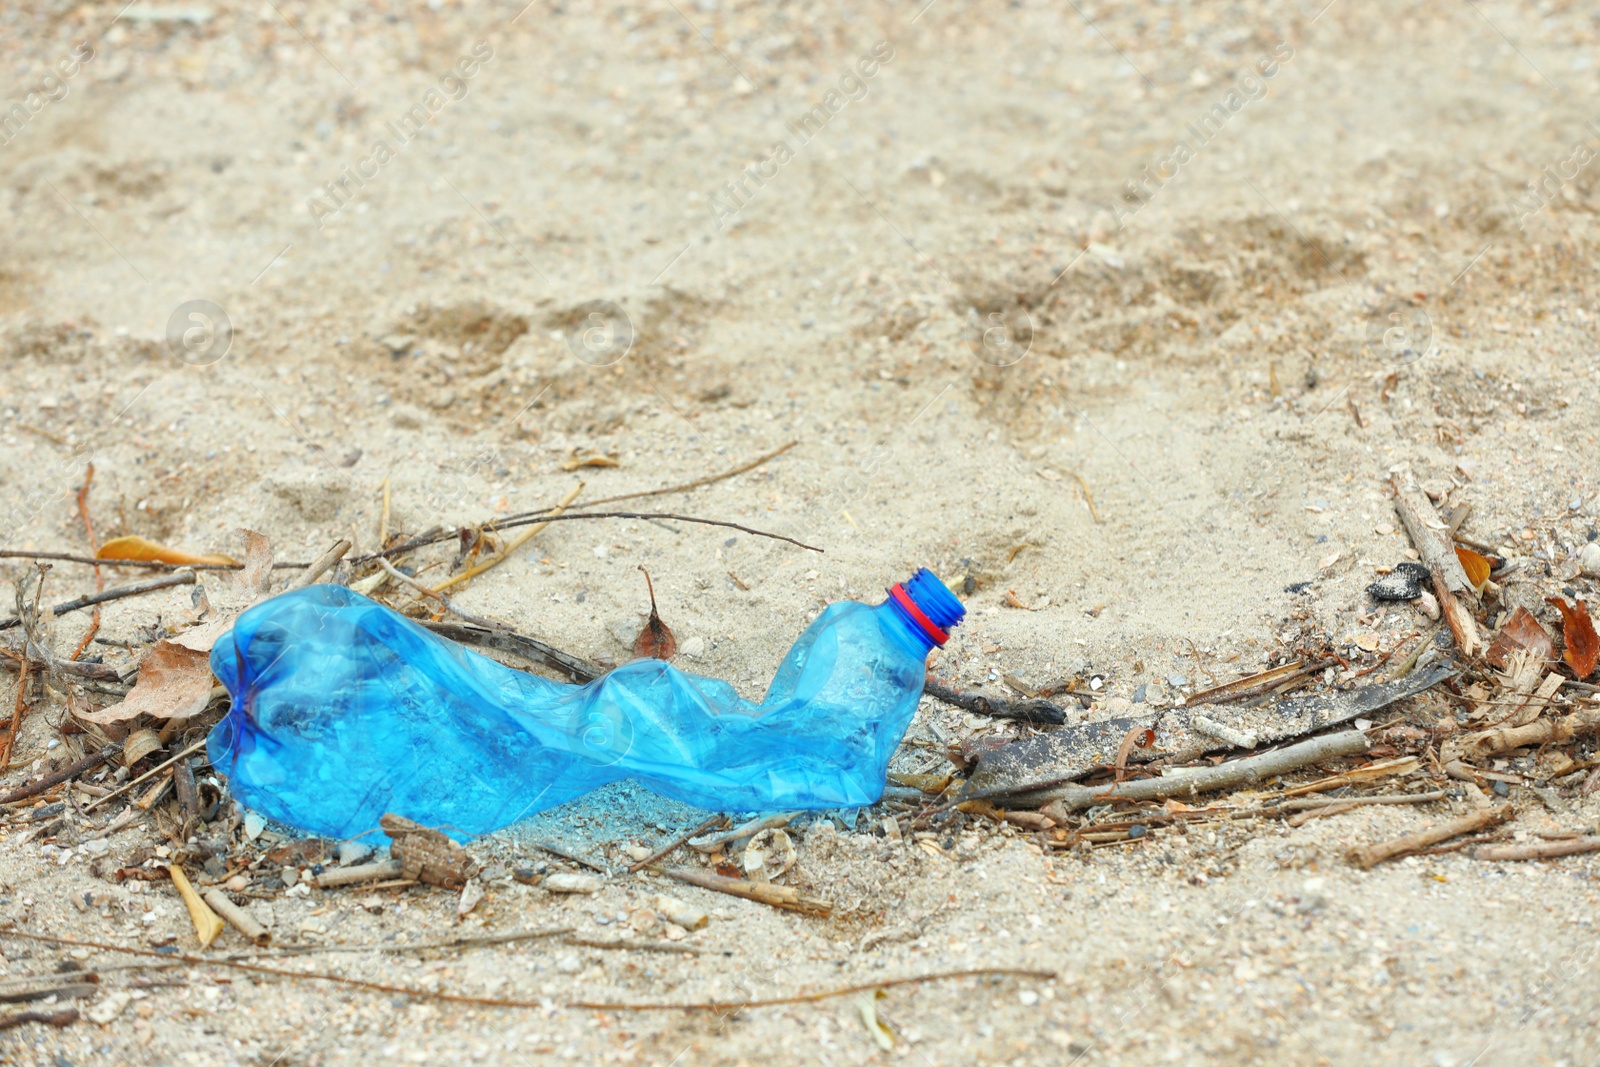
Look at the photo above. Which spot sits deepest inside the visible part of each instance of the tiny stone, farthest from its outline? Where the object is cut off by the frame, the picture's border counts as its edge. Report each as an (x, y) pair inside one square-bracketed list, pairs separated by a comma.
[(1137, 830), (525, 875), (1501, 789), (1138, 695)]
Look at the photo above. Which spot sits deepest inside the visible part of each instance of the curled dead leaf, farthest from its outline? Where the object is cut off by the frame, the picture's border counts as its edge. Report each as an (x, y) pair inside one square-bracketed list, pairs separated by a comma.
[(147, 551), (656, 640), (1476, 566), (174, 683), (1521, 631), (1577, 629)]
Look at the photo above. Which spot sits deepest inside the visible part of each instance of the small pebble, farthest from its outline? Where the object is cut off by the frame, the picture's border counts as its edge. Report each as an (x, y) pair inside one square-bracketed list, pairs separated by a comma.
[(1501, 789), (1137, 830), (525, 875)]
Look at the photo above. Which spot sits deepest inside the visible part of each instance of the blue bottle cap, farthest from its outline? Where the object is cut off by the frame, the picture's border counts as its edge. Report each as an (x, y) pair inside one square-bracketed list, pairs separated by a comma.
[(930, 604)]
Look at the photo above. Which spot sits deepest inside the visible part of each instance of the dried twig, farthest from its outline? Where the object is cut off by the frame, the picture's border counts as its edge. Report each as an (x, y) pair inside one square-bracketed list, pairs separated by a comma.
[(157, 769), (684, 488), (1236, 772), (183, 577), (803, 998), (511, 546), (94, 550), (668, 849), (503, 1002), (778, 896), (65, 1017), (66, 773), (504, 639), (322, 564), (575, 515), (1369, 856), (1542, 850)]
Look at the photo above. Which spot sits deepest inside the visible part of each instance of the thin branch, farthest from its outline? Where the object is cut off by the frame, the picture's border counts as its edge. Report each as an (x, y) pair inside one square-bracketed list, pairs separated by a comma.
[(184, 577), (506, 1002)]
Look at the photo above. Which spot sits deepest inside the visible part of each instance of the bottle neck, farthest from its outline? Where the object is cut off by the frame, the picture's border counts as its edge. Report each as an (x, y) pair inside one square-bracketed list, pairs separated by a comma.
[(900, 622)]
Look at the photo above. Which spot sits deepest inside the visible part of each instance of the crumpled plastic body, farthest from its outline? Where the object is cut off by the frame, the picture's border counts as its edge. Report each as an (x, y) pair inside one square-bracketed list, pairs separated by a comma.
[(344, 709)]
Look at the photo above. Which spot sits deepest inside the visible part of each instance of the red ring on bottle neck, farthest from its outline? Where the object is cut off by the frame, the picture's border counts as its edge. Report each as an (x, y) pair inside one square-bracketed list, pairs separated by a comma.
[(903, 598)]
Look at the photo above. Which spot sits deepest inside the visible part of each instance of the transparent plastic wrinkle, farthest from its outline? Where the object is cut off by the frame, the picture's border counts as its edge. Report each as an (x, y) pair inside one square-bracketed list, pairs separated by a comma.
[(344, 710)]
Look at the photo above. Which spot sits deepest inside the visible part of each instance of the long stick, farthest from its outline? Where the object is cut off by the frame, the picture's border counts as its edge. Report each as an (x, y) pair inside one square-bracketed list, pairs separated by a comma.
[(1368, 856), (94, 550), (322, 563), (698, 482), (504, 1002), (184, 577), (515, 543), (1236, 772), (1543, 850), (684, 488), (72, 770)]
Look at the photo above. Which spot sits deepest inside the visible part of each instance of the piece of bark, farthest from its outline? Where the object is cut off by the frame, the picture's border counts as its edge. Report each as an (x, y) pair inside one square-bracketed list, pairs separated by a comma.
[(426, 854), (188, 797), (1429, 534), (1463, 627), (1246, 771), (366, 872), (1368, 856), (1543, 731), (1071, 752), (1542, 850), (984, 702), (65, 1017), (777, 896), (236, 916)]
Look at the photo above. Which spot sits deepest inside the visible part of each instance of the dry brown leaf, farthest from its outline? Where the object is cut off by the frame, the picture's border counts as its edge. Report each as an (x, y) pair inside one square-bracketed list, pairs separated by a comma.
[(145, 550), (257, 574), (655, 641), (1583, 645), (1476, 566), (1521, 631), (174, 683), (596, 460)]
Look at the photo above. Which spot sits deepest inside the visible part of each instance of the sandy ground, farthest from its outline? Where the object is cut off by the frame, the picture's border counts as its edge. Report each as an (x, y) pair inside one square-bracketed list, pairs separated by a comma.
[(1019, 334)]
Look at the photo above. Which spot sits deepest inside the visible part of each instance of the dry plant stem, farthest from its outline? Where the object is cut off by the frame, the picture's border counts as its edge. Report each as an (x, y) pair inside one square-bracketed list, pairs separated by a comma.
[(94, 550), (1088, 498), (570, 858), (157, 769), (1318, 803), (686, 486), (184, 577), (236, 916), (1256, 683), (500, 1002), (1245, 771), (147, 564), (449, 605), (574, 515), (1539, 732), (511, 546), (1368, 856), (322, 564), (1543, 850), (778, 896), (415, 946), (383, 517), (667, 850), (64, 774), (631, 944), (17, 715), (206, 924), (804, 998)]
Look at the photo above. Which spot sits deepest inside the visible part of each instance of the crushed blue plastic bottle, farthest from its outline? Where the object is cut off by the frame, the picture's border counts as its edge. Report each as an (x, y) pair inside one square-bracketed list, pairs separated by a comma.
[(344, 709)]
